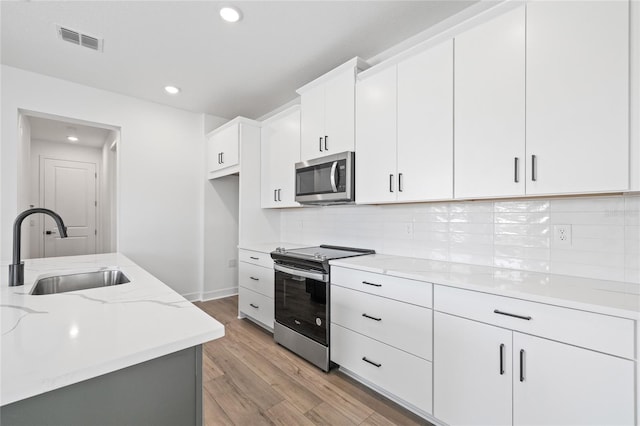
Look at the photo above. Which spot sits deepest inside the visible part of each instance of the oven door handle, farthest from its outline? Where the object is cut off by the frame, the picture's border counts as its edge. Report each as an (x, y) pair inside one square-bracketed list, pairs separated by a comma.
[(302, 273)]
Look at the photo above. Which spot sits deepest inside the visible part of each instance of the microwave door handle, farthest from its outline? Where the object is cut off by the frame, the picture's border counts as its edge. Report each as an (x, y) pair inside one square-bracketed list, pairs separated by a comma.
[(334, 167)]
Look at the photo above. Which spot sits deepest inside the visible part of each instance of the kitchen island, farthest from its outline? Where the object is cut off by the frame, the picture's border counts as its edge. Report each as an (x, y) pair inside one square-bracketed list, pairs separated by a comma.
[(128, 353)]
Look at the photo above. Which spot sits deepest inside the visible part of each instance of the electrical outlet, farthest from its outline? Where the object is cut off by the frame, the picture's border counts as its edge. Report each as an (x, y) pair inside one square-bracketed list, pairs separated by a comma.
[(562, 235), (233, 263)]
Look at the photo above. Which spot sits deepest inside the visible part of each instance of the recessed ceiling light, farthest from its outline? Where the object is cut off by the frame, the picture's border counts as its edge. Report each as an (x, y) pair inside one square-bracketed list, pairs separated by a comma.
[(172, 90), (230, 14), (72, 139)]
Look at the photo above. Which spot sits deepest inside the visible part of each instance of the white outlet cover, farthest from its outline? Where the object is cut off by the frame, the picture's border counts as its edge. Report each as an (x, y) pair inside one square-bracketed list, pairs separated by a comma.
[(562, 235)]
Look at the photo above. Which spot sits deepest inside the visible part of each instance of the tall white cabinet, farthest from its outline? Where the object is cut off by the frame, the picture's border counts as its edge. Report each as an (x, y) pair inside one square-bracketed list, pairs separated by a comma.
[(577, 96), (404, 130), (223, 152), (280, 150)]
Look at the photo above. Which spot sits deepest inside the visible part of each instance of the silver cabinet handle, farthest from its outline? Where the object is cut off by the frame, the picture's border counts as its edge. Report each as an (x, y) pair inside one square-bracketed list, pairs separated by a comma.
[(377, 364), (255, 279), (332, 176), (320, 143), (373, 284), (534, 174), (275, 195), (279, 194), (501, 359), (516, 171), (496, 311), (522, 365), (219, 159), (254, 306), (373, 318), (222, 157), (399, 182), (325, 143), (390, 183), (254, 258)]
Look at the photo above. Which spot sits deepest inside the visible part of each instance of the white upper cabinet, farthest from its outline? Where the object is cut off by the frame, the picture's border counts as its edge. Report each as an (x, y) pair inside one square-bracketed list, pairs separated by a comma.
[(376, 177), (328, 112), (280, 150), (223, 150), (577, 96), (425, 125), (490, 108), (404, 130)]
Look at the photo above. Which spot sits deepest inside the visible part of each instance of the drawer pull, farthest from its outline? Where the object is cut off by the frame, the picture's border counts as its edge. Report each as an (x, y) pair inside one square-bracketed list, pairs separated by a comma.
[(373, 284), (364, 358), (528, 318), (370, 317), (254, 306), (254, 258), (255, 279), (522, 365), (501, 359)]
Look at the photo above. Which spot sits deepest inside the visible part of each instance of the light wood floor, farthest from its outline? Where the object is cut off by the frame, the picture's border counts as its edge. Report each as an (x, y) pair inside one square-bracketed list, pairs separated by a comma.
[(250, 380)]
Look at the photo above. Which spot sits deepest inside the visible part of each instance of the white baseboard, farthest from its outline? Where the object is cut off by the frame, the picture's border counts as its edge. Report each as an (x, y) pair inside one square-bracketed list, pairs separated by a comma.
[(219, 294), (192, 297)]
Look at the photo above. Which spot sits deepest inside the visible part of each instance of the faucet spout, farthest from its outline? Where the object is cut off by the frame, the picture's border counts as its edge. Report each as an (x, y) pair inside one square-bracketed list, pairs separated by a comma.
[(16, 269)]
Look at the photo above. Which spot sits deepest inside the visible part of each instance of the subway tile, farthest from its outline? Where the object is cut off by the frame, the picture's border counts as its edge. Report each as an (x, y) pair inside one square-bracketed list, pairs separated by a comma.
[(521, 218), (607, 245), (526, 230), (471, 217), (471, 206), (588, 218), (522, 264), (632, 261), (429, 228), (588, 204), (471, 228), (522, 240), (521, 252), (520, 206), (632, 275), (471, 238), (431, 217), (597, 231)]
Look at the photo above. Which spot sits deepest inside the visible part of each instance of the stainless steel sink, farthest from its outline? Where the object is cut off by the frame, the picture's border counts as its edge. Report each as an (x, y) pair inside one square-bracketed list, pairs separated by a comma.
[(80, 281)]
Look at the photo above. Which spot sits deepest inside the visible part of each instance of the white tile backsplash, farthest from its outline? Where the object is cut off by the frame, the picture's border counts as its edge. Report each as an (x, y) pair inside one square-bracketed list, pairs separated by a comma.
[(508, 234)]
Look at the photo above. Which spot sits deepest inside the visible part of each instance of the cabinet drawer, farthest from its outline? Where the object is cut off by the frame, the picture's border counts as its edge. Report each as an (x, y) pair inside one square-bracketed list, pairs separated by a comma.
[(256, 305), (397, 372), (405, 290), (401, 325), (256, 278), (255, 257), (594, 331)]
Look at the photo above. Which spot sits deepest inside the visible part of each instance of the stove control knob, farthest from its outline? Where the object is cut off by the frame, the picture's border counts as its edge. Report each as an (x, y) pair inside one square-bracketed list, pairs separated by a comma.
[(323, 258), (280, 250)]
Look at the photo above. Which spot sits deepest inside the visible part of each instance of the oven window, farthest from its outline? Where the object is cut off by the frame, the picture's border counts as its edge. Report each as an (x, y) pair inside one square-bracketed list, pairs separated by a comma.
[(301, 304)]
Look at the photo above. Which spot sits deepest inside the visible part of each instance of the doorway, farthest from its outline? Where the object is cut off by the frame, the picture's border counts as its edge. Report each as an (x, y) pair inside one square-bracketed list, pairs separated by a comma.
[(72, 170)]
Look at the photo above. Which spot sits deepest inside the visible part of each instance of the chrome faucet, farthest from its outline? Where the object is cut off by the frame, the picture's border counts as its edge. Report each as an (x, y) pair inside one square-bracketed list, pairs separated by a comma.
[(16, 269)]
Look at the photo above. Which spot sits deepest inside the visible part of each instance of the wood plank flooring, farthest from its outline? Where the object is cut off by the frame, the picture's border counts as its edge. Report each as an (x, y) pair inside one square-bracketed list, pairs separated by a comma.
[(248, 379)]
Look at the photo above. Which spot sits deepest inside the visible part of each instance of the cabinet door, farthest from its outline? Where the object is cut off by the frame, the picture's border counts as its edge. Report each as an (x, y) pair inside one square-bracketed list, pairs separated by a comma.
[(224, 150), (566, 385), (490, 108), (280, 150), (312, 123), (470, 387), (425, 125), (376, 138), (339, 113), (578, 96)]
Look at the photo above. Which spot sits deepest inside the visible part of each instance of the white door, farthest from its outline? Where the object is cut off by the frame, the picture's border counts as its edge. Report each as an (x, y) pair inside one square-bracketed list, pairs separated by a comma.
[(312, 123), (69, 189), (565, 385), (339, 113), (490, 108), (425, 125), (578, 96), (376, 138), (471, 372)]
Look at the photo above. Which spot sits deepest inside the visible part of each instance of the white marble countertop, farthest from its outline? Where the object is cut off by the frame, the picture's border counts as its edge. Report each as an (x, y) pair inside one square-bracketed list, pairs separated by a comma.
[(268, 247), (51, 341), (605, 297)]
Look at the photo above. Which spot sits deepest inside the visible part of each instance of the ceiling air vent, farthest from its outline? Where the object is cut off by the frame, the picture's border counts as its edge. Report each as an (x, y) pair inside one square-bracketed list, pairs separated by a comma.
[(76, 37)]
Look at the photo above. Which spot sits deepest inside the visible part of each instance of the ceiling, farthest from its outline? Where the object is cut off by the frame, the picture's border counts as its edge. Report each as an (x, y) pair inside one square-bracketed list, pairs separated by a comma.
[(48, 130), (248, 68)]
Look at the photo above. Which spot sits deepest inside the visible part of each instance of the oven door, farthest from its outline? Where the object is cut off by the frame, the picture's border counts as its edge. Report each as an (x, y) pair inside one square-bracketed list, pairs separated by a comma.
[(301, 301)]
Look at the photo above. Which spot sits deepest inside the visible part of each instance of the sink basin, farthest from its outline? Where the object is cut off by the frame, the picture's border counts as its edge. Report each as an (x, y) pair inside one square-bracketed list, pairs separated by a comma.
[(81, 281)]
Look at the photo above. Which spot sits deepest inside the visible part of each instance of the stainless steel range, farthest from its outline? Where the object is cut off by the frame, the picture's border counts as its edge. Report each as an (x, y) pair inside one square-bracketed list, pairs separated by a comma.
[(302, 295)]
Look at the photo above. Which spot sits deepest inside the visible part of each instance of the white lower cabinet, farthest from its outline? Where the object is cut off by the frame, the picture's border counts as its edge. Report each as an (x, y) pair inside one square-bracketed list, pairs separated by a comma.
[(485, 374), (381, 330), (255, 292)]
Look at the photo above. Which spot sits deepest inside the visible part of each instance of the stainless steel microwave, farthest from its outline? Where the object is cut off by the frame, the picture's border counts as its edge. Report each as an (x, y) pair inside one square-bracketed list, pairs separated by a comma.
[(326, 180)]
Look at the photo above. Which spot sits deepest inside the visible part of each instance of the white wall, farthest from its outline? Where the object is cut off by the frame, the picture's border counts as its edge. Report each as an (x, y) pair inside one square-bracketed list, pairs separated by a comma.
[(60, 151), (160, 188), (517, 234), (24, 154)]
